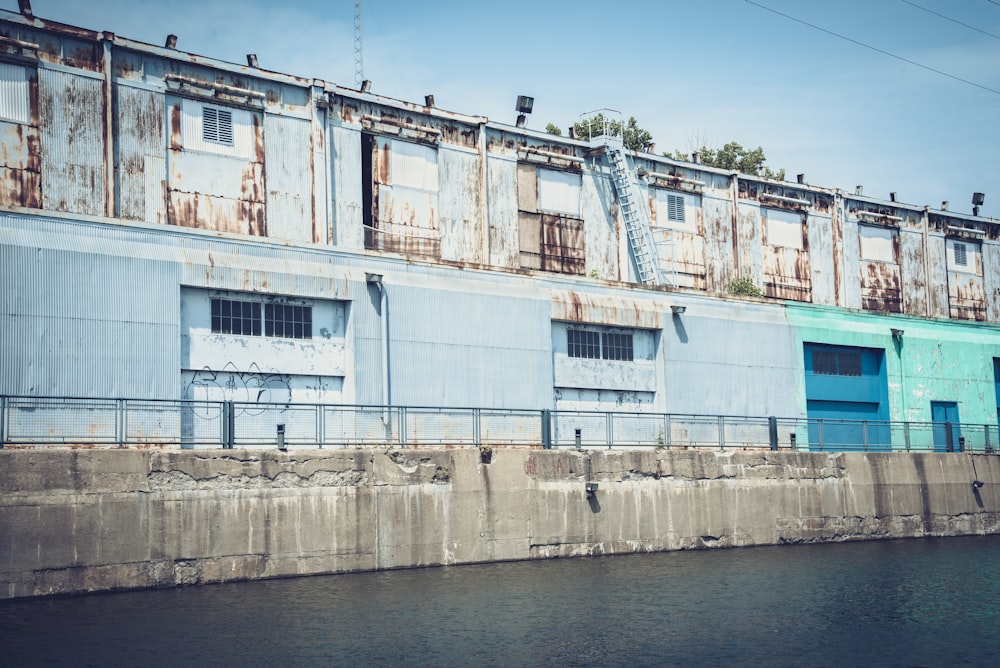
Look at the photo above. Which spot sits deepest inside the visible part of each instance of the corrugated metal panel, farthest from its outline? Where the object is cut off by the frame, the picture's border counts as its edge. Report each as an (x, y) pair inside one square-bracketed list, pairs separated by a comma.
[(469, 348), (72, 142), (991, 282), (142, 154), (911, 261), (459, 198), (15, 94), (720, 260), (559, 192), (289, 178), (99, 326), (937, 281), (601, 246)]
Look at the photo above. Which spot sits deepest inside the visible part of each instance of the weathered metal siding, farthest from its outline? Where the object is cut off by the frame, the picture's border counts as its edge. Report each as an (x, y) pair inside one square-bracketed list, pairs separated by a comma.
[(991, 280), (460, 204), (720, 258), (214, 191), (406, 218), (851, 263), (345, 188), (20, 157), (289, 177), (82, 316), (912, 271), (598, 207), (822, 248), (141, 172), (750, 241), (71, 123), (502, 211), (937, 281)]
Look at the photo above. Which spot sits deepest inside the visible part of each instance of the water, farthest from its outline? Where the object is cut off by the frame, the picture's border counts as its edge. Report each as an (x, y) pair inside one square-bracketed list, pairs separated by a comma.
[(891, 603)]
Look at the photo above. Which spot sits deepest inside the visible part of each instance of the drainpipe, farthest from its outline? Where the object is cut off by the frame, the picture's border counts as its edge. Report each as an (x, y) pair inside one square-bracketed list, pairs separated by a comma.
[(376, 280)]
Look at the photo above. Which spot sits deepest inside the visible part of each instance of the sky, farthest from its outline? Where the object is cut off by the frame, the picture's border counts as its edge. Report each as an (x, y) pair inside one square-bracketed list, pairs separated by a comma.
[(863, 108)]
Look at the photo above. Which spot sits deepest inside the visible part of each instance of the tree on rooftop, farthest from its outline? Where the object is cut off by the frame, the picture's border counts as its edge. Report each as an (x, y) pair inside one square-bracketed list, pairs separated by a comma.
[(635, 139), (553, 129), (734, 156)]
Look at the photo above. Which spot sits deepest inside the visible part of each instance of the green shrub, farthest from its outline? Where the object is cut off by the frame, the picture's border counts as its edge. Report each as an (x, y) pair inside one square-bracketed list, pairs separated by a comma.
[(744, 287)]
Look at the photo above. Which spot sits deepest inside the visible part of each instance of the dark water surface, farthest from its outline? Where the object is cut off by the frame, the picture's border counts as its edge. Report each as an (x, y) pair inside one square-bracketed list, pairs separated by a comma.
[(932, 602)]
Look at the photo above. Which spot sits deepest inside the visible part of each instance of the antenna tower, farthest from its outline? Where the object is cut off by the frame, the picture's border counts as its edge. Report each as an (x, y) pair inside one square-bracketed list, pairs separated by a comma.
[(359, 58)]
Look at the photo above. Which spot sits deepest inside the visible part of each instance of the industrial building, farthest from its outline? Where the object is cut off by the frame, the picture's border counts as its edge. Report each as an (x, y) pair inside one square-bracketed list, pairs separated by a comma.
[(174, 227)]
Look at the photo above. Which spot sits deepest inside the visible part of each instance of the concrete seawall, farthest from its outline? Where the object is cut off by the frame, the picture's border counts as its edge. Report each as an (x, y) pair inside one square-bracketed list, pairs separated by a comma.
[(94, 520)]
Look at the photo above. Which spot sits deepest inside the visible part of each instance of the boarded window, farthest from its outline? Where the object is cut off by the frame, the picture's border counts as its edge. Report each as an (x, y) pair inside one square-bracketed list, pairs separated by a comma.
[(413, 166), (214, 129), (783, 228), (562, 244), (15, 101), (559, 192), (877, 243)]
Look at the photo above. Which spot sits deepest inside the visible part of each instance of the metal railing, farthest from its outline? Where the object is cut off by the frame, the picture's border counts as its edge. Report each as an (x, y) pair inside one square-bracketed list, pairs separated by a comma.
[(145, 423)]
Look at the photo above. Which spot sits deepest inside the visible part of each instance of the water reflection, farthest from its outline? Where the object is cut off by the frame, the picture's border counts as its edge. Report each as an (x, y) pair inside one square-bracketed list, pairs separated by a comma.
[(916, 602)]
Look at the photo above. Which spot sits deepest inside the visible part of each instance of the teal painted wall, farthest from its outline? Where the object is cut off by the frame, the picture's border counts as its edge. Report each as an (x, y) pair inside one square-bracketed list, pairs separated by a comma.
[(936, 360)]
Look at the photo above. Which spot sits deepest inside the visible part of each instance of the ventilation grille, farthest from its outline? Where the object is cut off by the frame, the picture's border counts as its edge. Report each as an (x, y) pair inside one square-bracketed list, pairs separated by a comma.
[(217, 126)]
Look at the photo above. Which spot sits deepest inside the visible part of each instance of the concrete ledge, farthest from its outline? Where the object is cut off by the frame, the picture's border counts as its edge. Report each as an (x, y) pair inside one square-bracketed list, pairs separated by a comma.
[(76, 521)]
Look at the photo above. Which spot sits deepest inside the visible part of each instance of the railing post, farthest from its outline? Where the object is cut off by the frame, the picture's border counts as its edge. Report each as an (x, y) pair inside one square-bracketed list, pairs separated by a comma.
[(864, 434), (546, 429), (772, 431), (987, 444), (609, 436), (228, 425), (819, 433), (3, 421), (320, 425), (476, 427), (722, 433), (949, 438), (666, 430), (402, 427), (120, 425), (906, 435)]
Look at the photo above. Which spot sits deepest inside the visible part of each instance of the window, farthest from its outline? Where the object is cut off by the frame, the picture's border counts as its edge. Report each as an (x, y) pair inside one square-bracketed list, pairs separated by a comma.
[(617, 346), (588, 344), (583, 343), (230, 316), (217, 125), (784, 228), (244, 318), (288, 321), (839, 363)]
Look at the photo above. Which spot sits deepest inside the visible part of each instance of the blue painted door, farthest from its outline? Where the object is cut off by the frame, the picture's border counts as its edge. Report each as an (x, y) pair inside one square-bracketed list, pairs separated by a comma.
[(942, 412)]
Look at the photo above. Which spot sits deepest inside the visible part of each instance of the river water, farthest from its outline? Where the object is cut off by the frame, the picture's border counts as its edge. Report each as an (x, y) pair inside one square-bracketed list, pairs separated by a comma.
[(929, 602)]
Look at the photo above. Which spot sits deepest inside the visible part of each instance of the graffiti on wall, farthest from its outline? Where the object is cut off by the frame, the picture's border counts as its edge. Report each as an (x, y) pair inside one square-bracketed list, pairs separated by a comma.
[(230, 384)]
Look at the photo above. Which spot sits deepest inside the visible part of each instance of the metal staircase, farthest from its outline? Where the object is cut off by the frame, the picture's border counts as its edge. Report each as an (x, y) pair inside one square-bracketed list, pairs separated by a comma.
[(635, 213)]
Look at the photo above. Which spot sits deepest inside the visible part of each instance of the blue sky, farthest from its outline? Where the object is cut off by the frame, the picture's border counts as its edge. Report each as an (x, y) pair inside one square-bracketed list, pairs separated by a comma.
[(692, 72)]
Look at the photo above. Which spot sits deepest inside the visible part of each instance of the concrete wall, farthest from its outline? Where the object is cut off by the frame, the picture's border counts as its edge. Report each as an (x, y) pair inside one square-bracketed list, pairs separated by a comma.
[(92, 520)]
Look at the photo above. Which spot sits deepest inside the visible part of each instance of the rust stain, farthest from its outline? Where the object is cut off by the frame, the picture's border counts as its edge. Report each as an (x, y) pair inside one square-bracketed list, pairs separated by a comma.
[(175, 127)]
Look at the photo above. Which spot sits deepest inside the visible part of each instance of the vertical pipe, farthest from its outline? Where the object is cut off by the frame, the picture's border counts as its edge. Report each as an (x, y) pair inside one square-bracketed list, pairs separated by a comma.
[(3, 421), (384, 308), (320, 425), (546, 429), (772, 431)]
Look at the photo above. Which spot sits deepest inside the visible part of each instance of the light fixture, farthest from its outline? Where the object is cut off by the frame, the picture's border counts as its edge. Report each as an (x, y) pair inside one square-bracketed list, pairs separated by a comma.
[(977, 484), (524, 104), (897, 334), (591, 488), (977, 201), (677, 310), (373, 279)]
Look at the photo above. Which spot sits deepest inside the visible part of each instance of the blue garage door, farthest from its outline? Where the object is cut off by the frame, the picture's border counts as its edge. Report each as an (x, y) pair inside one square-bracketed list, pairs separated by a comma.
[(846, 398)]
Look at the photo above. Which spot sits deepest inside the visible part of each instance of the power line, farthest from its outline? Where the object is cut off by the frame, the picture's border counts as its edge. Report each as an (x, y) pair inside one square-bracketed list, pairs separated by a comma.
[(948, 18), (876, 49)]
